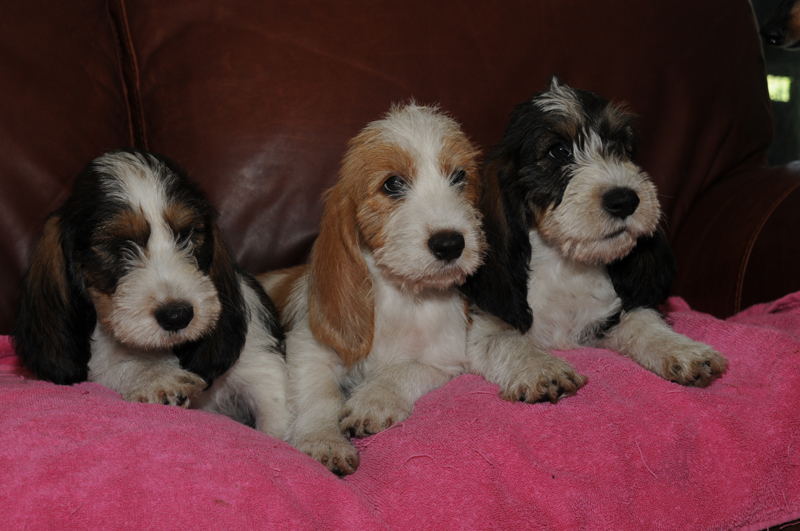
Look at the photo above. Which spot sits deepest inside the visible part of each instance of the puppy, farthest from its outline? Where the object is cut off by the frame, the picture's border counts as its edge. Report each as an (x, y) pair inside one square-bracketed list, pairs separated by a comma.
[(577, 257), (132, 286), (782, 29), (376, 320)]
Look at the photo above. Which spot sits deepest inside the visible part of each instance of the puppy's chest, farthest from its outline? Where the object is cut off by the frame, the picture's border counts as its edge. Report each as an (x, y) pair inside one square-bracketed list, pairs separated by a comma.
[(571, 301), (428, 327)]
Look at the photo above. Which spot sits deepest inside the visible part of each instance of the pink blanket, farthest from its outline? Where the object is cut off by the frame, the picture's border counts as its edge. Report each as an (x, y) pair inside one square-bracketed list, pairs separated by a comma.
[(629, 451)]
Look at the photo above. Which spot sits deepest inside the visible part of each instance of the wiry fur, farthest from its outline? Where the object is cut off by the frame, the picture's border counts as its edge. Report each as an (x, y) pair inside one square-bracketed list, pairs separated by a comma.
[(133, 287), (576, 239), (376, 319)]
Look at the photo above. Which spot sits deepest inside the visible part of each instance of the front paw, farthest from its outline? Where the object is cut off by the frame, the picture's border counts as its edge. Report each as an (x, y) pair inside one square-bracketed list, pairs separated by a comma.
[(369, 411), (173, 388), (696, 365), (543, 377), (332, 450)]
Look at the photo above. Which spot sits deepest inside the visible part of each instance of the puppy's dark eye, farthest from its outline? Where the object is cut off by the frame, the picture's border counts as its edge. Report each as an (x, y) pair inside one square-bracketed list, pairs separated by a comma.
[(458, 177), (394, 186), (560, 152)]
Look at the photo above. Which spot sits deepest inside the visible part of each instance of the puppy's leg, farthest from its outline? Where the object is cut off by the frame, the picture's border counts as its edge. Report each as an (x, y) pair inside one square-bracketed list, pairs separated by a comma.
[(643, 336), (254, 389), (153, 377), (389, 395), (315, 401), (523, 371), (268, 388)]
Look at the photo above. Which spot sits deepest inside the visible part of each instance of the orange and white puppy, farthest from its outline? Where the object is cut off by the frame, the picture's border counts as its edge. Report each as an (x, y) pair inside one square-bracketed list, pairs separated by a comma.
[(376, 320)]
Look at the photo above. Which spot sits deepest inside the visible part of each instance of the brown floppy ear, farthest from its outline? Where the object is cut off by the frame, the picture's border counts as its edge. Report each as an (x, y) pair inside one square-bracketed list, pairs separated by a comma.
[(54, 319), (340, 301), (210, 356), (500, 286)]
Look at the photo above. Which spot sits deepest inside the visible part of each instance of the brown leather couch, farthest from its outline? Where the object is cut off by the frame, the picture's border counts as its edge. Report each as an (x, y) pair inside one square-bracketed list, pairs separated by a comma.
[(258, 100)]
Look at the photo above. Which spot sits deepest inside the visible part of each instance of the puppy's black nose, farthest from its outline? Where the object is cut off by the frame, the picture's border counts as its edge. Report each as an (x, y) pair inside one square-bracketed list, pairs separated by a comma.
[(620, 202), (446, 245), (172, 317)]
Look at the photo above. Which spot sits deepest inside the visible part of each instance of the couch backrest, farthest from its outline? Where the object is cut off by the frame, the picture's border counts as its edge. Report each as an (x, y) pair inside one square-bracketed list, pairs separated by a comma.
[(258, 99)]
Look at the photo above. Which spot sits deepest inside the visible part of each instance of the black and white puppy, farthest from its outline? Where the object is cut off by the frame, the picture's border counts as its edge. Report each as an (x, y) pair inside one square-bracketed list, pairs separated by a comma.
[(577, 258), (132, 286)]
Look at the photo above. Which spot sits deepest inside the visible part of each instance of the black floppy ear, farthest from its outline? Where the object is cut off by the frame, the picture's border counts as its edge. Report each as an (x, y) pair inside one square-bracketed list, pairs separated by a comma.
[(500, 286), (644, 277), (210, 356), (54, 319)]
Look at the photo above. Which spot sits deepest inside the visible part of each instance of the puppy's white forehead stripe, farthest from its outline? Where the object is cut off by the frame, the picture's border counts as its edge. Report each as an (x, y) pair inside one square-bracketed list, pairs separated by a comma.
[(560, 100), (137, 185), (417, 130)]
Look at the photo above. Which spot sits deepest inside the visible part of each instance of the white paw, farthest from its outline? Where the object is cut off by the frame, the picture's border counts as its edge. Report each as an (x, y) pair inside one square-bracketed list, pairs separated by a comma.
[(371, 409), (175, 387), (695, 364), (542, 377), (332, 450)]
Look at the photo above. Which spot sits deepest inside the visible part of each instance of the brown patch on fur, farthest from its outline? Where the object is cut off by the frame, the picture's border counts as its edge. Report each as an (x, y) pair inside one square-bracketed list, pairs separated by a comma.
[(618, 116), (340, 304), (127, 225), (280, 285), (491, 200), (222, 270), (565, 129), (465, 302), (103, 305), (368, 163), (47, 261), (180, 217), (47, 273), (185, 221)]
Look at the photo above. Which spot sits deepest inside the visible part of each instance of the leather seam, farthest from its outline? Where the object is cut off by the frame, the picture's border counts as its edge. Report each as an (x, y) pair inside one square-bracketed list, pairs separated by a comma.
[(129, 69), (751, 243)]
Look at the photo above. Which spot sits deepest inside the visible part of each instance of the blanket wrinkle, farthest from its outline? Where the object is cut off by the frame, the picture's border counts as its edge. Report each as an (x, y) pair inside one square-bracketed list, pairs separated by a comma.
[(628, 451)]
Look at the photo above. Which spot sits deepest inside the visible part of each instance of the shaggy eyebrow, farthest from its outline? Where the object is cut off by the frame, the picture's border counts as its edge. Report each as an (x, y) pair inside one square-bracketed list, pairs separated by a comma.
[(126, 225), (179, 216)]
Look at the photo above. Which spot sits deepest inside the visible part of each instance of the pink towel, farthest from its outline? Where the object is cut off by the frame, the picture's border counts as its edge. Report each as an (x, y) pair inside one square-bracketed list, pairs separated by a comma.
[(629, 451)]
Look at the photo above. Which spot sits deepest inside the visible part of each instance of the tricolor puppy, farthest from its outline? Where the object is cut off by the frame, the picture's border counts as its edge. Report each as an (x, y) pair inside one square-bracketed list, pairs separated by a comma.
[(132, 286), (576, 257), (376, 320)]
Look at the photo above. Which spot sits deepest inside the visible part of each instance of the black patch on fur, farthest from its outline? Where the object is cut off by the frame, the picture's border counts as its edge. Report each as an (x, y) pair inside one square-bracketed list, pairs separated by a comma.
[(267, 313), (607, 325), (644, 277), (240, 406), (210, 356), (500, 286)]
